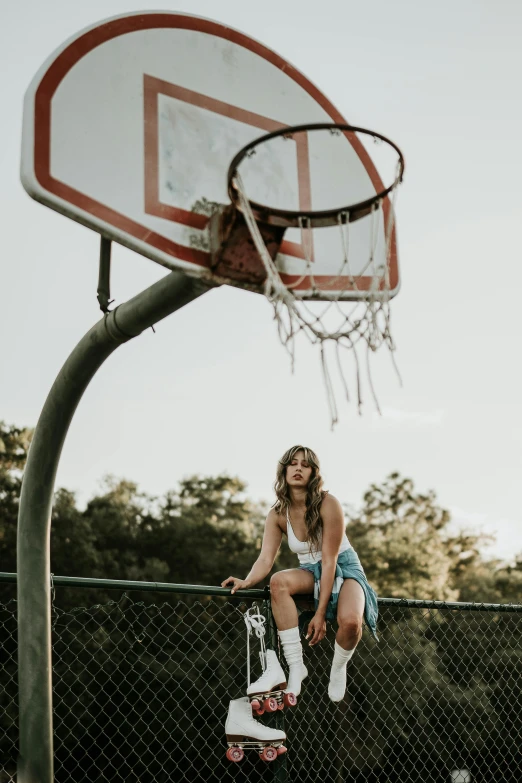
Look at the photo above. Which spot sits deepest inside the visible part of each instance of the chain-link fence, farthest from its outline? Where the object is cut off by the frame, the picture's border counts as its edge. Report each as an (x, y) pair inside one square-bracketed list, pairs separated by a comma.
[(141, 693)]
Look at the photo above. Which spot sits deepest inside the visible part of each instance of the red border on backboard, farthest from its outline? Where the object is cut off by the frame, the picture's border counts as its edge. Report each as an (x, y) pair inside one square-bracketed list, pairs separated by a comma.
[(152, 88), (106, 31)]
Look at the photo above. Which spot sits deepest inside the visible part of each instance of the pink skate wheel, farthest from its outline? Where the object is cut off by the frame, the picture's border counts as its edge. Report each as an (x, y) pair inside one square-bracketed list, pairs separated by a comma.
[(290, 699), (281, 749), (270, 704), (260, 711), (255, 704), (268, 754), (235, 754)]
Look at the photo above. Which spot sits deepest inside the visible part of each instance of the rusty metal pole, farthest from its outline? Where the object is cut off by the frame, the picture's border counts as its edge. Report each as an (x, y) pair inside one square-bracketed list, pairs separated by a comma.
[(172, 292)]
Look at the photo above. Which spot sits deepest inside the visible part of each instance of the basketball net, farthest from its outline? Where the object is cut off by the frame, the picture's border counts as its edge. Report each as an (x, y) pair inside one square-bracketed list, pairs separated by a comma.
[(345, 325)]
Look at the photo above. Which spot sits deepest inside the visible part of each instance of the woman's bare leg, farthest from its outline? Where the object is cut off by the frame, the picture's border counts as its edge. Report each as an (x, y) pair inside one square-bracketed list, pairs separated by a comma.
[(284, 585), (350, 612)]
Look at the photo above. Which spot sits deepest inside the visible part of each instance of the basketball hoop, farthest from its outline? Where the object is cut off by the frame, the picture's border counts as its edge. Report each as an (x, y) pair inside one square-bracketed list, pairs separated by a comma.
[(314, 218), (317, 228), (357, 300)]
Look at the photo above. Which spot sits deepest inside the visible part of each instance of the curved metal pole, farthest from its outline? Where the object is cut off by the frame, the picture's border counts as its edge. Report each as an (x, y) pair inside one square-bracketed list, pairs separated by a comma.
[(35, 763)]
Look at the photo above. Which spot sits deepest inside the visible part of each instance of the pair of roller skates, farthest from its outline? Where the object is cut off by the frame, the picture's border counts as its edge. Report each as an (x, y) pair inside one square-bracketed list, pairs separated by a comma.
[(267, 694)]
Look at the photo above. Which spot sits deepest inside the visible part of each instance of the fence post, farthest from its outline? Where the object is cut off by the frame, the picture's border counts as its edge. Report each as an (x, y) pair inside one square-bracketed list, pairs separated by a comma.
[(277, 720)]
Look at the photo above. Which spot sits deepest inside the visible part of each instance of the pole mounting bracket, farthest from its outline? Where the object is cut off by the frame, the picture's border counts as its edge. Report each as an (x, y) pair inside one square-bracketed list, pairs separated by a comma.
[(104, 276)]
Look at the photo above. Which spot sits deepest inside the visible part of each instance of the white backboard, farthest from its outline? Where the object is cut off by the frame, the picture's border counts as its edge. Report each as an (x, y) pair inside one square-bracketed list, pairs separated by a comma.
[(129, 129)]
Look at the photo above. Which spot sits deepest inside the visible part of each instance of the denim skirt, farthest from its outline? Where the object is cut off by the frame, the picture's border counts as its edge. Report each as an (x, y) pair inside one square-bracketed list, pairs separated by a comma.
[(348, 567)]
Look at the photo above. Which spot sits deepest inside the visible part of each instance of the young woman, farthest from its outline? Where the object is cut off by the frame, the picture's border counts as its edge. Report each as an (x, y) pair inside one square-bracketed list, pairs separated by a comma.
[(314, 524)]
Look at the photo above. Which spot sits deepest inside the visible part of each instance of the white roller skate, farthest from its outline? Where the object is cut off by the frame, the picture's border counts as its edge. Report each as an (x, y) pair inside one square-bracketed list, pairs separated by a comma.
[(269, 693), (243, 732)]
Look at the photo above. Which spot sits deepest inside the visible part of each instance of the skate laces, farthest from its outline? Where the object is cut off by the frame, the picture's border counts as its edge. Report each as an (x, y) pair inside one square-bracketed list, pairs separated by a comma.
[(256, 624)]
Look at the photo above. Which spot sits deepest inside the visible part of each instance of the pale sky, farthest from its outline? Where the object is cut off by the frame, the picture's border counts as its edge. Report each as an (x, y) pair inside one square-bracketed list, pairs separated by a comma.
[(212, 390)]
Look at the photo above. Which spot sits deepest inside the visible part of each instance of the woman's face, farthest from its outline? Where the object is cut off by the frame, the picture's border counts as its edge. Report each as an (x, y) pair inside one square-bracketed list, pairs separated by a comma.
[(298, 472)]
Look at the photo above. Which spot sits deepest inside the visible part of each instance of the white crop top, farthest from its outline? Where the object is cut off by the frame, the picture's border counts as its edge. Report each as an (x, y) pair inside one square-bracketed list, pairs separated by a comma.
[(302, 548)]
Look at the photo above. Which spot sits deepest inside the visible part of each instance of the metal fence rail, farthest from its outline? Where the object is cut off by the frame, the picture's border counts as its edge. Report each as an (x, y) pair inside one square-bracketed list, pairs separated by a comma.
[(142, 684)]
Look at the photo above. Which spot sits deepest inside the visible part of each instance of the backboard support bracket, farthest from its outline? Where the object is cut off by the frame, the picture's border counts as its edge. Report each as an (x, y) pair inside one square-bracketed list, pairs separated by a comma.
[(104, 275), (232, 251)]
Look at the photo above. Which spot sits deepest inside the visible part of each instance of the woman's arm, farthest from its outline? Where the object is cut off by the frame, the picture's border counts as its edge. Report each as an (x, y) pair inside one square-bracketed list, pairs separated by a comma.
[(333, 531), (263, 565)]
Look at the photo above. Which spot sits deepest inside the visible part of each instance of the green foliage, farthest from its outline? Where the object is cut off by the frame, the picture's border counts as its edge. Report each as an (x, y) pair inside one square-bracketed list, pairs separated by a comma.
[(207, 528), (14, 445), (401, 537), (198, 533)]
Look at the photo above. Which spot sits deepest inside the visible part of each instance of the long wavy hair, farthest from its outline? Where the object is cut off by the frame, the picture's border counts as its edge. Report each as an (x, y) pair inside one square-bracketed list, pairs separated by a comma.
[(314, 493)]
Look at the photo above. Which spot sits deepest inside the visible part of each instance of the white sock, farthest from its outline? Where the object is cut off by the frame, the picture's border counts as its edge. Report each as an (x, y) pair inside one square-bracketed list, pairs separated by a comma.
[(293, 652), (337, 686)]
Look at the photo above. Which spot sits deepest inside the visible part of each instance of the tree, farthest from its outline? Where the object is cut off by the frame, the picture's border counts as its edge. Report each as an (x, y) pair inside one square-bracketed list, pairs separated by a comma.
[(208, 529), (14, 444), (401, 537)]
